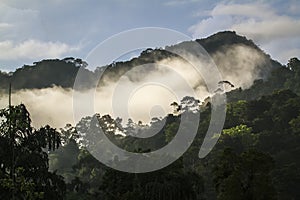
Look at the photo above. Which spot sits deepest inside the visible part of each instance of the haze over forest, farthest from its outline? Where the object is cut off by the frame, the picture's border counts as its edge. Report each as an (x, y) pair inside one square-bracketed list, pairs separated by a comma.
[(262, 110), (41, 85), (163, 122)]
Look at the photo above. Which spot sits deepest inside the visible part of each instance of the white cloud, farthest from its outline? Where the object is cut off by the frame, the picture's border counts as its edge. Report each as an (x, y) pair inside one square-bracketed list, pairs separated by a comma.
[(33, 49), (18, 24), (284, 49), (179, 2), (5, 25), (259, 22), (294, 7), (250, 10), (269, 29), (51, 106)]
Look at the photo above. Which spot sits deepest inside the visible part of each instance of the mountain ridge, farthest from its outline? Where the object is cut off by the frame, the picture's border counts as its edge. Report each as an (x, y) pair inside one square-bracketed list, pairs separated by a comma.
[(49, 72)]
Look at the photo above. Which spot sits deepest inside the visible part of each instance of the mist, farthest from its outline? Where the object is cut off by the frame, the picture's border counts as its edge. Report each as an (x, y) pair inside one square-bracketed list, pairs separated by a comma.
[(242, 64), (145, 91)]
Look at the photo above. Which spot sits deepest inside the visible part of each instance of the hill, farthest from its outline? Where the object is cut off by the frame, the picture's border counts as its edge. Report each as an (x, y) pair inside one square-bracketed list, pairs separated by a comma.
[(46, 73)]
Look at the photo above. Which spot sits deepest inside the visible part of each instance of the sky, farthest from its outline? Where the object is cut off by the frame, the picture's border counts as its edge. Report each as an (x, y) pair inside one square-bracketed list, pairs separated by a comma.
[(33, 30)]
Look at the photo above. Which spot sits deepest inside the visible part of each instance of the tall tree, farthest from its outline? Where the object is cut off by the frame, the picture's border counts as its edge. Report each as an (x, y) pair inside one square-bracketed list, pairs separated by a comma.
[(24, 162)]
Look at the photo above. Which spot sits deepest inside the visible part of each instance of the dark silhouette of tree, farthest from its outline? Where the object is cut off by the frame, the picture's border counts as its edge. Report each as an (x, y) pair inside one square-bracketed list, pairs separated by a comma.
[(24, 163)]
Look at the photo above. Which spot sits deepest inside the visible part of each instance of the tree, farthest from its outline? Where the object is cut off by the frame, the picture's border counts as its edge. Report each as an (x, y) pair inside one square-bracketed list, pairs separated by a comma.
[(171, 183), (236, 113), (295, 125), (189, 104), (240, 138), (294, 82), (176, 108), (294, 64), (244, 176), (68, 134), (24, 164)]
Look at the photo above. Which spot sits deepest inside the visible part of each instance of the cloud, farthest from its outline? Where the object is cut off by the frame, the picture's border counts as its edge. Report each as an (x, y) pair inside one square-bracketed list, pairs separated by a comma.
[(241, 65), (21, 30), (5, 26), (179, 2), (33, 49), (145, 91), (284, 49), (270, 29), (294, 7), (253, 10), (259, 22), (20, 24), (51, 106)]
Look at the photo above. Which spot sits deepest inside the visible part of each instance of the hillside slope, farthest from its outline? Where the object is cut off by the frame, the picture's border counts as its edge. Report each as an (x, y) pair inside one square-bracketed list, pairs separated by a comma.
[(47, 73)]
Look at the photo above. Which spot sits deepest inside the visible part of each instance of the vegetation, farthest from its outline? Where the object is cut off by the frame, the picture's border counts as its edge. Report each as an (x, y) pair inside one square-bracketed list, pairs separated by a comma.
[(62, 73), (24, 163), (256, 157)]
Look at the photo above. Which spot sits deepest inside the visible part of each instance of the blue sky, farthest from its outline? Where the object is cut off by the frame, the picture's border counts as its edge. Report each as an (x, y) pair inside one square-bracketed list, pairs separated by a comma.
[(32, 30)]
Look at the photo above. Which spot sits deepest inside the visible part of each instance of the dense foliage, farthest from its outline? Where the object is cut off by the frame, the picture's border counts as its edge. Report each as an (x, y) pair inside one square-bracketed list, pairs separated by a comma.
[(256, 157), (23, 158)]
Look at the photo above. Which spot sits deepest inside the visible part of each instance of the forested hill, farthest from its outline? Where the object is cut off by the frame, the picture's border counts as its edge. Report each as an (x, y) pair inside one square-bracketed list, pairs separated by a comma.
[(256, 156), (47, 73), (43, 74), (282, 78)]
